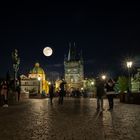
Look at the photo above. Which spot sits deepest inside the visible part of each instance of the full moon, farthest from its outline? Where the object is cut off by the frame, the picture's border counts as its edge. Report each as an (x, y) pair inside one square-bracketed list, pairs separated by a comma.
[(47, 51)]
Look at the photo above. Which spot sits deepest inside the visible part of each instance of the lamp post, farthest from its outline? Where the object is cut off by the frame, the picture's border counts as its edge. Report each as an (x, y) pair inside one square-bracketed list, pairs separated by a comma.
[(129, 66), (39, 78)]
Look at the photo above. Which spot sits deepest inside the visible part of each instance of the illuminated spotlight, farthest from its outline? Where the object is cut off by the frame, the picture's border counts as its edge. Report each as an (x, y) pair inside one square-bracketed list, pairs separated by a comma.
[(103, 77), (49, 83), (129, 64), (39, 78), (92, 83), (82, 88)]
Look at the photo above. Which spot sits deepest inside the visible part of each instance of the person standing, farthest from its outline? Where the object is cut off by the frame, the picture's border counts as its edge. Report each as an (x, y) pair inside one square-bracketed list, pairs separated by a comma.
[(51, 92), (62, 92), (4, 93), (18, 90), (110, 93), (100, 92)]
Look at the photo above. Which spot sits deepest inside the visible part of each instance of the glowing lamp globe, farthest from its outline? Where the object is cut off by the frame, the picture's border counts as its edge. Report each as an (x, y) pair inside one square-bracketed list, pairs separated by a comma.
[(103, 77), (47, 51)]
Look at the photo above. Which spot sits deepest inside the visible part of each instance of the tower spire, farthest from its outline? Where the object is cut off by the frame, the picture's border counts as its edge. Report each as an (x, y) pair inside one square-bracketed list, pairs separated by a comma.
[(74, 43), (69, 54), (81, 55)]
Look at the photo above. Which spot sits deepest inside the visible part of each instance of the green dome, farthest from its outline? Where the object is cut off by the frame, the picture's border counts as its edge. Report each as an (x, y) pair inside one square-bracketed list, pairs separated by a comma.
[(37, 69)]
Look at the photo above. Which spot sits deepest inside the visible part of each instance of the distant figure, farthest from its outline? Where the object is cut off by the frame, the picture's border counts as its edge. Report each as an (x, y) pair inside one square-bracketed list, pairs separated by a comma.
[(4, 93), (51, 93), (110, 92), (18, 91), (18, 87), (100, 92), (62, 92), (78, 93)]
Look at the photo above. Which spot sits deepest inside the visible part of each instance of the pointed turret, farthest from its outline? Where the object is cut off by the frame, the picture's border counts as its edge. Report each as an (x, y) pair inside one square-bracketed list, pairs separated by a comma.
[(72, 52), (69, 54), (81, 55), (73, 68), (74, 44)]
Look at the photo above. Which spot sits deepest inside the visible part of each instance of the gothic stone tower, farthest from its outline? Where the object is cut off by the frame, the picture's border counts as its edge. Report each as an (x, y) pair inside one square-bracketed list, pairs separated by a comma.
[(73, 69)]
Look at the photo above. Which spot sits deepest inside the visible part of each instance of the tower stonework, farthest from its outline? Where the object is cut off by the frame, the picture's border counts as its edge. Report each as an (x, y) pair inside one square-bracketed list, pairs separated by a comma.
[(74, 69)]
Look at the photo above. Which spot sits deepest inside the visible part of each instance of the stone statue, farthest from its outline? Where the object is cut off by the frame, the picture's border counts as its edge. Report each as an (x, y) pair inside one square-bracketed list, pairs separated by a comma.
[(16, 60)]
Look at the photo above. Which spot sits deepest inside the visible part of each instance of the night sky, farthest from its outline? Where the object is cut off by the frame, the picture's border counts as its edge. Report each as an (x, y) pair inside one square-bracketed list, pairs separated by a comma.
[(107, 33)]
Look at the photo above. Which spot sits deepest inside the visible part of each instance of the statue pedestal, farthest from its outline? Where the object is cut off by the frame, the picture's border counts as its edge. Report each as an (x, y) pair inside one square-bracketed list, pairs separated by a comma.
[(24, 96), (12, 97)]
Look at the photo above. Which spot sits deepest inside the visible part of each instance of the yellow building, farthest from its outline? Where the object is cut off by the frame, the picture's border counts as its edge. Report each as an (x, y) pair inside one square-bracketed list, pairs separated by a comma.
[(38, 73)]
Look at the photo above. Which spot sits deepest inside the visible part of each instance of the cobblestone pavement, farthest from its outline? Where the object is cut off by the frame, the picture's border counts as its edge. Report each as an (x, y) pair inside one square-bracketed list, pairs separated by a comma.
[(76, 119)]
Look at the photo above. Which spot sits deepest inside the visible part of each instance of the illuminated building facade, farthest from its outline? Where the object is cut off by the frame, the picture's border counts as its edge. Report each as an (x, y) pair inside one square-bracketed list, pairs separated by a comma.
[(36, 80), (135, 82), (74, 69)]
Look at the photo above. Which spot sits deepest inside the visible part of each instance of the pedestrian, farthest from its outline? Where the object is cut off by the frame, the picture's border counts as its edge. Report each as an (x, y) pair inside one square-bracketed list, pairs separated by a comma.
[(51, 93), (110, 92), (4, 93), (100, 92), (18, 89), (62, 91)]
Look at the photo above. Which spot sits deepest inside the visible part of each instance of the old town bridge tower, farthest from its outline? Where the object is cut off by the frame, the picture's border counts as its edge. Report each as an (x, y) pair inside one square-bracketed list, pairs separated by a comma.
[(73, 68)]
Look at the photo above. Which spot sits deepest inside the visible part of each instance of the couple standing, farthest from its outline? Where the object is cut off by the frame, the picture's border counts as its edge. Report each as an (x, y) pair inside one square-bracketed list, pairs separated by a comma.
[(62, 92), (104, 88)]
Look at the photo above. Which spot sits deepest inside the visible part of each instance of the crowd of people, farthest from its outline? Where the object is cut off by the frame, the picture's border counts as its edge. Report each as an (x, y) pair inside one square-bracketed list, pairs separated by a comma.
[(103, 88)]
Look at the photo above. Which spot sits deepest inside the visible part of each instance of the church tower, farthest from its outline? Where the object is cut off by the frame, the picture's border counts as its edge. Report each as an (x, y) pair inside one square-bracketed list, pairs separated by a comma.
[(73, 68)]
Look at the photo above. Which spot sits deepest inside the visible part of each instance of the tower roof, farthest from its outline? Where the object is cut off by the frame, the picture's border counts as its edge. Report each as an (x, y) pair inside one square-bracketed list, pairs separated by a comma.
[(72, 52), (37, 69), (73, 55)]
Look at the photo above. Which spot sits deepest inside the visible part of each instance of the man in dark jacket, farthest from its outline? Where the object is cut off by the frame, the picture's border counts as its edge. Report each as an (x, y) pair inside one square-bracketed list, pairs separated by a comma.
[(62, 91), (51, 92), (100, 92)]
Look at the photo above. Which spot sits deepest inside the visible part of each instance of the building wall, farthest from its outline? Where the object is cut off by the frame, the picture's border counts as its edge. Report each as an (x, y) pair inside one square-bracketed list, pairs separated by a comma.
[(42, 79), (135, 82), (30, 85), (74, 74)]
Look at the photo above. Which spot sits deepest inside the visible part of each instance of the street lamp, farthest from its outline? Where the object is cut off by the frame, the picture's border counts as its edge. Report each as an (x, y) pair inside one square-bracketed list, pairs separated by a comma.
[(103, 77), (39, 78), (92, 83), (129, 65), (49, 83)]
